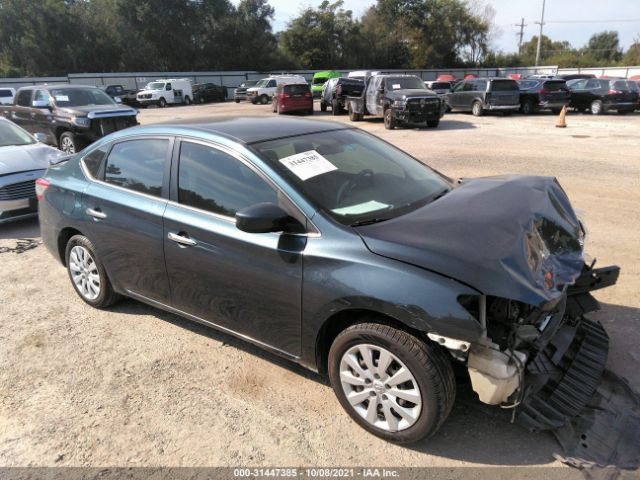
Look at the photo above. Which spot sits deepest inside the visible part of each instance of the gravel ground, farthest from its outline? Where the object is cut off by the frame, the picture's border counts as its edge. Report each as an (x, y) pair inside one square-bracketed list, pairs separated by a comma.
[(135, 386)]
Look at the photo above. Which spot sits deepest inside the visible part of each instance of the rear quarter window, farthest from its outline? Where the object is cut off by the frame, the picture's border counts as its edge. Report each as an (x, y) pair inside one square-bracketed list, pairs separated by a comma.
[(138, 165), (622, 85), (555, 86), (504, 86)]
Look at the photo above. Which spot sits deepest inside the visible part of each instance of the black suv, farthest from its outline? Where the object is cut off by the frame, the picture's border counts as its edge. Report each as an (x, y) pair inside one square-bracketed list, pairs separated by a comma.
[(209, 92), (599, 95), (480, 94), (336, 92), (538, 94)]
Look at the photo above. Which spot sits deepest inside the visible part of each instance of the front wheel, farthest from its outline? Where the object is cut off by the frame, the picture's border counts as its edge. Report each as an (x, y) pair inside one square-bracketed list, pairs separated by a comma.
[(394, 385), (353, 116), (187, 100), (87, 274), (528, 108), (69, 143), (237, 100), (433, 123), (162, 103), (264, 99), (389, 119), (335, 107)]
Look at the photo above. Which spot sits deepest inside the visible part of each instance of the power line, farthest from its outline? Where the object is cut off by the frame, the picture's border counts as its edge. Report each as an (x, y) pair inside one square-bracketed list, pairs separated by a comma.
[(622, 20)]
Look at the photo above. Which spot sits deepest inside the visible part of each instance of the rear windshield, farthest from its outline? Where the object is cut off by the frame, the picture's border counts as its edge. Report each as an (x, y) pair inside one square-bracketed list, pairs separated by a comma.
[(504, 85), (6, 93), (296, 89), (622, 85), (527, 84), (555, 85), (440, 85)]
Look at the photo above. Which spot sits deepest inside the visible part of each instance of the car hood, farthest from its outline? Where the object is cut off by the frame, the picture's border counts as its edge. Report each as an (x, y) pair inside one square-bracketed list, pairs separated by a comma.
[(515, 237), (405, 94), (23, 158), (97, 109)]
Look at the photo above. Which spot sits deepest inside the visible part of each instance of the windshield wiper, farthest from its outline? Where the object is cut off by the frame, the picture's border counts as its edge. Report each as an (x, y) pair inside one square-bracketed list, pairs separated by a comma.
[(368, 221)]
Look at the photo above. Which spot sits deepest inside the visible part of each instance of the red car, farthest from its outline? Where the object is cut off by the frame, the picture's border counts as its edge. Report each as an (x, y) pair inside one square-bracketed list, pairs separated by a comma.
[(293, 98)]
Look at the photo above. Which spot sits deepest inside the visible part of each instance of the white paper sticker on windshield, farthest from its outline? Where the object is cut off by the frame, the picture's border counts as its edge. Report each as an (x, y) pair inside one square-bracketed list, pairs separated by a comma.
[(360, 208), (309, 164), (62, 98), (395, 86)]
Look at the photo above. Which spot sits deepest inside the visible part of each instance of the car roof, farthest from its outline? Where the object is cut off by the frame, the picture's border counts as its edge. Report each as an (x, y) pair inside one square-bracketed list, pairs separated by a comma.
[(245, 129), (57, 87)]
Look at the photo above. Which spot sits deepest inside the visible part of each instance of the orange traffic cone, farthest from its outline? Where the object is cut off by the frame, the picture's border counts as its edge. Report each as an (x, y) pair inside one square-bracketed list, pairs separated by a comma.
[(562, 122)]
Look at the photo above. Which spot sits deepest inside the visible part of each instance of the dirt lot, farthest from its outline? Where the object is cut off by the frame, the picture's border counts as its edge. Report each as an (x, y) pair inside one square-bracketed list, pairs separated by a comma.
[(134, 386)]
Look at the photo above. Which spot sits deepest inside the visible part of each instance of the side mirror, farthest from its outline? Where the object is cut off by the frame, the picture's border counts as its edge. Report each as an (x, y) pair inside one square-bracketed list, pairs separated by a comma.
[(117, 99), (264, 218), (40, 104), (40, 137)]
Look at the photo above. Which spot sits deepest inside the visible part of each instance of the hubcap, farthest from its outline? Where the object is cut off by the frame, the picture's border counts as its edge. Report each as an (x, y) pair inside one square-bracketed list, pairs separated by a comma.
[(84, 272), (68, 146), (380, 388)]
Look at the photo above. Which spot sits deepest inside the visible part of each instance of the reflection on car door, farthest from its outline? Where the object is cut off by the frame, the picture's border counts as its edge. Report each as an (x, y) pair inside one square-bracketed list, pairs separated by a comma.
[(40, 117), (372, 94), (248, 283), (123, 212), (21, 112)]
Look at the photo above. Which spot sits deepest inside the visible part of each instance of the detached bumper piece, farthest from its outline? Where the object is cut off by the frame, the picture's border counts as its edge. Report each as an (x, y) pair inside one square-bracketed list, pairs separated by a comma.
[(563, 378)]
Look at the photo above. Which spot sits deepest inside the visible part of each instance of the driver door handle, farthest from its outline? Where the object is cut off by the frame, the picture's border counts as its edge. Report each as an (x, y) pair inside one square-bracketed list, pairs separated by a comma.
[(182, 239), (96, 213)]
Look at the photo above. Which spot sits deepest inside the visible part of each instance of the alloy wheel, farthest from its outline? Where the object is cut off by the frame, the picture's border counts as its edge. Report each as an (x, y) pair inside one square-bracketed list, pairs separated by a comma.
[(84, 272), (380, 387), (67, 146)]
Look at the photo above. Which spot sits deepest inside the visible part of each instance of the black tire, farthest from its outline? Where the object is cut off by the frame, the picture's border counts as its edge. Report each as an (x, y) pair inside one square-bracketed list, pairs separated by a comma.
[(335, 107), (162, 102), (201, 100), (264, 99), (389, 120), (323, 106), (596, 108), (528, 108), (310, 111), (69, 143), (433, 123), (353, 116), (428, 363), (506, 113), (237, 100), (624, 112), (187, 100), (556, 111), (476, 109), (107, 295)]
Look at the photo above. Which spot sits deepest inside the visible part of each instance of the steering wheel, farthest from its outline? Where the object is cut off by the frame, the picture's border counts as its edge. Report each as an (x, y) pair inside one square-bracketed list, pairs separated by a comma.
[(347, 187)]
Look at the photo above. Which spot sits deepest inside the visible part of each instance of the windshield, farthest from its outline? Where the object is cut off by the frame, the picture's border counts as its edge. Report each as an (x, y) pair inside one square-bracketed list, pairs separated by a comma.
[(11, 134), (353, 176), (79, 97), (400, 83), (320, 80), (262, 83), (155, 86)]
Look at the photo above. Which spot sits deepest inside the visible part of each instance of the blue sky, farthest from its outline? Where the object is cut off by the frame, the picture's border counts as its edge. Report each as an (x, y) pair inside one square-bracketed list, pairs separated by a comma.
[(509, 12)]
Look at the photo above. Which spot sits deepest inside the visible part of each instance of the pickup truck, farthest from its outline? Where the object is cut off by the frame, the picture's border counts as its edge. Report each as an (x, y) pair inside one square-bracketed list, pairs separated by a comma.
[(128, 97), (69, 116), (335, 92), (399, 99)]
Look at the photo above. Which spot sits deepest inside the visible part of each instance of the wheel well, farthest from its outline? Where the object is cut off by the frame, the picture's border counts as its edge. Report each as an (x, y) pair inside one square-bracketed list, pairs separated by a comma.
[(63, 239), (59, 132), (340, 321)]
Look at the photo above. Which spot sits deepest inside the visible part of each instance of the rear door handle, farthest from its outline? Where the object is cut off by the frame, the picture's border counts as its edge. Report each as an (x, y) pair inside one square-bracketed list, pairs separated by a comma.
[(182, 239), (96, 213)]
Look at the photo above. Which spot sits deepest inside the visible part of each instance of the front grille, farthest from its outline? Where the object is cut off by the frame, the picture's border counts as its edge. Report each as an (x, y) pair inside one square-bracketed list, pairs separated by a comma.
[(423, 104), (106, 126), (19, 190), (144, 96)]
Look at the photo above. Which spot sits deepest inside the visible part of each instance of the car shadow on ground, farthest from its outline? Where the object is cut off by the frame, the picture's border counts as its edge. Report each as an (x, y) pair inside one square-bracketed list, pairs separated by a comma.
[(27, 228)]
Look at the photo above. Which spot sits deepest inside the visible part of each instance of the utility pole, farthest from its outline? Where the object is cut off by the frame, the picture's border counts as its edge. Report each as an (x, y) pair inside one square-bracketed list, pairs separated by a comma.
[(521, 34), (540, 36)]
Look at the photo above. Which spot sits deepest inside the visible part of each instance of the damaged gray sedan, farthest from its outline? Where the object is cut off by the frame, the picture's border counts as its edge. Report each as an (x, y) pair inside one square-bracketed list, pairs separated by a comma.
[(336, 250)]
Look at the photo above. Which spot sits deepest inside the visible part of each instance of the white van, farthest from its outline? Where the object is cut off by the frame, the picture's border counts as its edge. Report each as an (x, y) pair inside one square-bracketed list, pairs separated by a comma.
[(163, 92), (6, 95), (265, 88)]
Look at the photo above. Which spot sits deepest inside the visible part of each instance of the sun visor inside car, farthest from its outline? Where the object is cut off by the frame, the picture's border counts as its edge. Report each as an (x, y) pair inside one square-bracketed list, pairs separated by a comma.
[(514, 237)]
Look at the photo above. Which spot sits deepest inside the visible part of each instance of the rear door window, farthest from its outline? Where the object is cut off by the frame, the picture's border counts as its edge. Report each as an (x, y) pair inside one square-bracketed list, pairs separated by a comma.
[(5, 93), (480, 85), (138, 165), (504, 85), (592, 83), (24, 98), (555, 86)]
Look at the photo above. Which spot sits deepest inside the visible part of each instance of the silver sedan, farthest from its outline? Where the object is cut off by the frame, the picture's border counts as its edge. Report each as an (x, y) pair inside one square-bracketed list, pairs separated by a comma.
[(23, 159)]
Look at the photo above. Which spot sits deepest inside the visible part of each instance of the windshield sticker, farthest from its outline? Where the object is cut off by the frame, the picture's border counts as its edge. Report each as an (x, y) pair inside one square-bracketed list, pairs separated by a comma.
[(309, 164), (360, 208), (62, 98), (395, 86)]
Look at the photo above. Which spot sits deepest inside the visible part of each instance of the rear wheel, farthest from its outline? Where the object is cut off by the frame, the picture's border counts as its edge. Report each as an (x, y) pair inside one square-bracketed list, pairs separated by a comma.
[(237, 100), (389, 120), (323, 106), (335, 107), (187, 100), (477, 109), (353, 116), (596, 107), (391, 383), (87, 274), (528, 108)]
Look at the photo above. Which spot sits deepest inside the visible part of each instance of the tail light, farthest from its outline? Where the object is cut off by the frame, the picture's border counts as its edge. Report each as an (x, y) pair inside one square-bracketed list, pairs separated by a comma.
[(614, 92), (286, 95), (307, 94), (41, 186)]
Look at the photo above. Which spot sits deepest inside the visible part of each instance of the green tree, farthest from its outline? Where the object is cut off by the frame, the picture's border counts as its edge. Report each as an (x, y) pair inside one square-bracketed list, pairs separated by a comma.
[(604, 47)]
